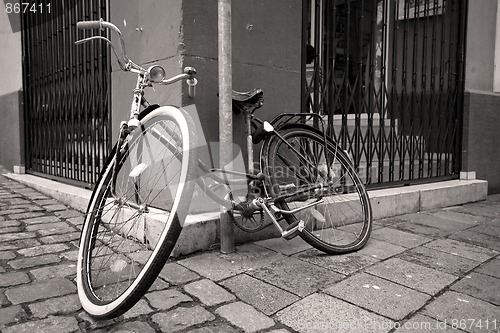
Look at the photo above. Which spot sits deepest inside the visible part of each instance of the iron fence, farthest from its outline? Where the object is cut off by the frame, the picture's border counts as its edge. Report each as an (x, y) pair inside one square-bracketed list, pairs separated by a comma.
[(388, 78), (66, 93)]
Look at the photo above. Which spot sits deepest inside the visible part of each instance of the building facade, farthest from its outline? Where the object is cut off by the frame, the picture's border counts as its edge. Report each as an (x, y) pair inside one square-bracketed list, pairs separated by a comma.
[(408, 88)]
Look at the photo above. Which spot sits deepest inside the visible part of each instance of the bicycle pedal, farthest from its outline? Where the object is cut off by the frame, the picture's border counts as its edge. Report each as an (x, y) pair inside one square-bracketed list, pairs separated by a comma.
[(293, 230)]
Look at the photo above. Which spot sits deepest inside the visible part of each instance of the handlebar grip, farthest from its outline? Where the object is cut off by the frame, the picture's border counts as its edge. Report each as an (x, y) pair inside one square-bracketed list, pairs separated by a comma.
[(89, 24)]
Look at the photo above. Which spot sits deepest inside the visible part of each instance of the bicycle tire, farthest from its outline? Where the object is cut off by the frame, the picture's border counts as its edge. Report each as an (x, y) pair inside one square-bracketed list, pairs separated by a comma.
[(342, 224), (123, 246)]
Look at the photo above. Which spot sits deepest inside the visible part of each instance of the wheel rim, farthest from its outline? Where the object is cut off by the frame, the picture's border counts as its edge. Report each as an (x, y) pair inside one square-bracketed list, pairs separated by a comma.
[(343, 221), (132, 225)]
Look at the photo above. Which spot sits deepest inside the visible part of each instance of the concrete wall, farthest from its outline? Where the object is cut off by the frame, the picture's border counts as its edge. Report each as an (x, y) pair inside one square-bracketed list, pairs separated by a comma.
[(481, 33), (480, 148), (152, 32), (11, 135), (481, 121), (266, 38)]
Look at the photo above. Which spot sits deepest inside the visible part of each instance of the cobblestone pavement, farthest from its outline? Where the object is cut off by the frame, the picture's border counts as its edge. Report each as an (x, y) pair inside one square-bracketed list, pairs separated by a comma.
[(433, 271)]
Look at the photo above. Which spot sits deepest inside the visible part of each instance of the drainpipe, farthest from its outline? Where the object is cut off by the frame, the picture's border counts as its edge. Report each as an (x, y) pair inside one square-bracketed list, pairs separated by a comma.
[(225, 114)]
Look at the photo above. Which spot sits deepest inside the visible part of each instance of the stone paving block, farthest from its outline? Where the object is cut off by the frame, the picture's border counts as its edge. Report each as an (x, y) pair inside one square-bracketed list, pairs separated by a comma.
[(441, 261), (54, 271), (53, 208), (10, 230), (19, 243), (296, 276), (13, 279), (18, 201), (76, 221), (208, 292), (452, 307), (491, 268), (216, 266), (139, 309), (69, 214), (215, 328), (177, 274), (34, 261), (182, 318), (11, 211), (70, 255), (25, 215), (159, 284), (411, 275), (127, 327), (46, 201), (420, 229), (487, 229), (28, 207), (35, 291), (51, 324), (10, 223), (56, 230), (7, 255), (11, 314), (398, 237), (424, 324), (43, 226), (344, 264), (462, 249), (380, 249), (16, 236), (55, 306), (286, 247), (43, 249), (450, 214), (484, 240), (263, 296), (245, 317), (379, 295), (480, 286), (319, 313), (42, 219), (480, 209), (90, 324), (166, 299), (3, 298), (64, 238)]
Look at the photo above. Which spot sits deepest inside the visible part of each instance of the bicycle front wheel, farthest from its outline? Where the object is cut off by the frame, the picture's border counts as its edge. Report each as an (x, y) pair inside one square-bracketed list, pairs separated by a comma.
[(301, 171), (136, 213)]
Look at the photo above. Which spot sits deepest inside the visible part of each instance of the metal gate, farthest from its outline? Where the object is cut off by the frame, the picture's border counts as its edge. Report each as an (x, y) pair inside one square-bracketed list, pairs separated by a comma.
[(388, 77), (66, 93)]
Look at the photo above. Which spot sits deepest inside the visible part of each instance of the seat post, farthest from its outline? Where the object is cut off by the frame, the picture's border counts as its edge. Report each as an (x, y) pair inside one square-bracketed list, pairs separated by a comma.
[(248, 130)]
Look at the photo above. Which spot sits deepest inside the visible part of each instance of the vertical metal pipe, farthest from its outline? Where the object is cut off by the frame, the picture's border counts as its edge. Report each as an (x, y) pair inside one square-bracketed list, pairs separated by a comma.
[(225, 113)]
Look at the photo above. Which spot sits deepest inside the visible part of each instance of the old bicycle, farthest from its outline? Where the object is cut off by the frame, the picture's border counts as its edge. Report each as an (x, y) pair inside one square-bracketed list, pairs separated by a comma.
[(305, 185)]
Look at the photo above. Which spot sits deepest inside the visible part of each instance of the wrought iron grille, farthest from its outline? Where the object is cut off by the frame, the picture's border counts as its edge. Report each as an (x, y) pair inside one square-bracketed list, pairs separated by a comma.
[(388, 78), (66, 93)]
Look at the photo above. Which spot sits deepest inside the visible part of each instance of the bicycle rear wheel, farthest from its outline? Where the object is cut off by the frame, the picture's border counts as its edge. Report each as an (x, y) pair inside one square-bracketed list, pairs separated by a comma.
[(135, 215), (342, 222)]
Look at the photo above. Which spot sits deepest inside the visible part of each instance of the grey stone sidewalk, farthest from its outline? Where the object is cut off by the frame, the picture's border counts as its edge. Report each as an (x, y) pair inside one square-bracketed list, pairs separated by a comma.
[(432, 271)]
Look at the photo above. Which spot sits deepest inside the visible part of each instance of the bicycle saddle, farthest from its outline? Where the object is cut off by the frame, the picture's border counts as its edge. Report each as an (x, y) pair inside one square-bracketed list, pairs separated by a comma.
[(250, 100)]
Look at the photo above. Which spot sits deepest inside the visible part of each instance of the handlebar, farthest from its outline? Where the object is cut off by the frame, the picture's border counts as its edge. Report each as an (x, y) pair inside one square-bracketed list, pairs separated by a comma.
[(124, 61)]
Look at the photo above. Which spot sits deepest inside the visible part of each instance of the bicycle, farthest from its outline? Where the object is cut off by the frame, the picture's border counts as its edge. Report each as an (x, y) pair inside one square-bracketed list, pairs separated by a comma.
[(141, 199)]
